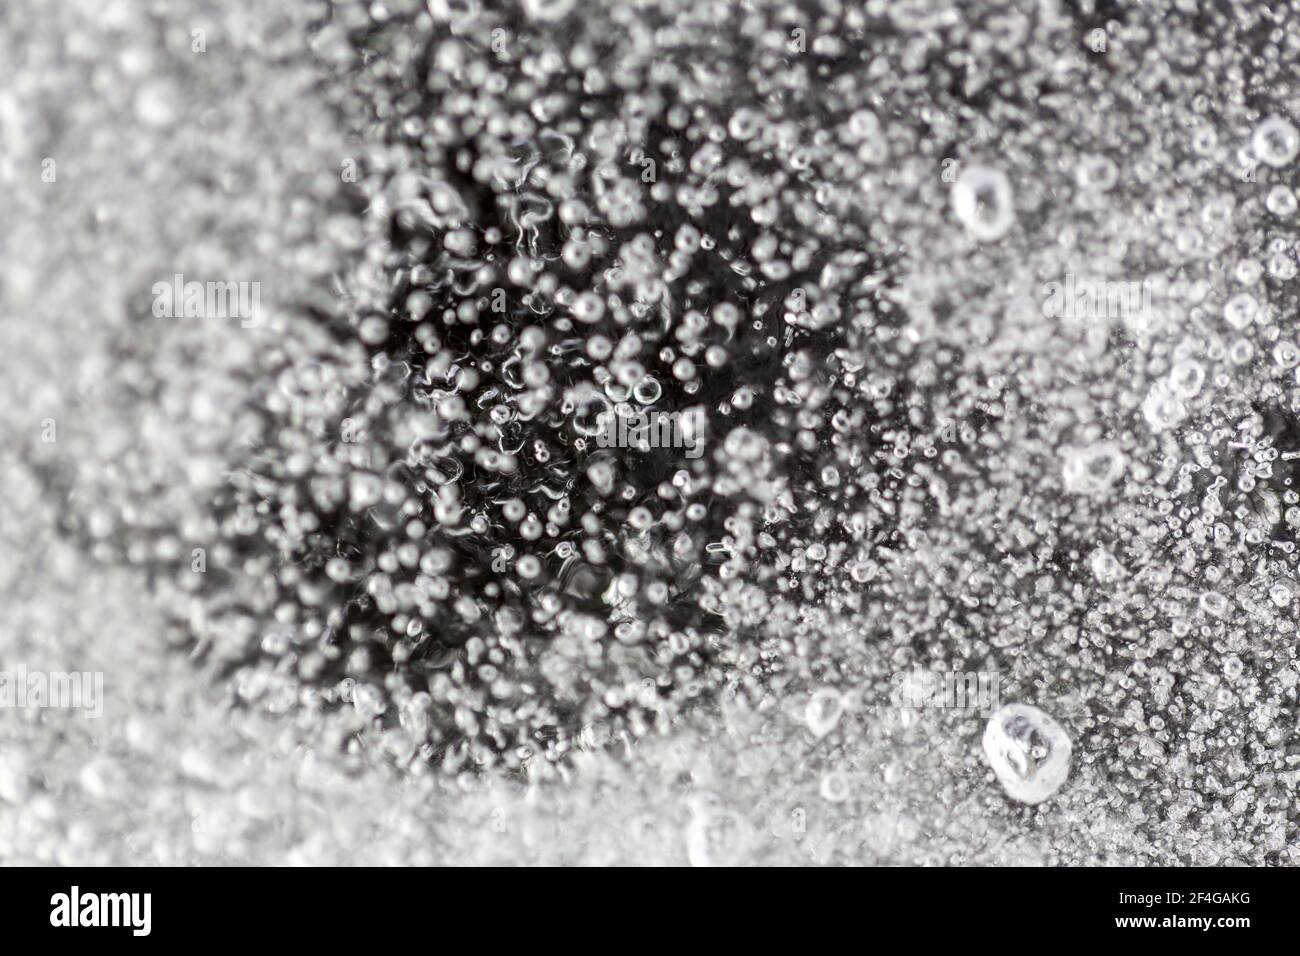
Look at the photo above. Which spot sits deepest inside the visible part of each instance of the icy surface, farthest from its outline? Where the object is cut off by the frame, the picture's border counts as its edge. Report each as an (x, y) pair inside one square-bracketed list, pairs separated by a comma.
[(436, 621)]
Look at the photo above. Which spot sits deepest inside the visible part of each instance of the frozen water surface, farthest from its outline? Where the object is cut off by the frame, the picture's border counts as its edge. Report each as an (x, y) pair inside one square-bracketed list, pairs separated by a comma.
[(635, 392)]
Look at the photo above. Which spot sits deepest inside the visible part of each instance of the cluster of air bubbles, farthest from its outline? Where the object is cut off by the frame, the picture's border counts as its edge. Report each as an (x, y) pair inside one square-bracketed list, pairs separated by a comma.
[(692, 357), (540, 455)]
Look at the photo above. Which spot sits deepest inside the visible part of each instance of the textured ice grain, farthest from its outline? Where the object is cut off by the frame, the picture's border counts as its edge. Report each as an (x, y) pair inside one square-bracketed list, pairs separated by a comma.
[(1028, 751)]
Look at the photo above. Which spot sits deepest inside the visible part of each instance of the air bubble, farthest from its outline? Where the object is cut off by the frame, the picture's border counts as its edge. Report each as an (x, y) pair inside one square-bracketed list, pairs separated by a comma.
[(1094, 468), (1276, 141), (1163, 409), (1241, 310), (983, 202), (1028, 751), (823, 711)]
